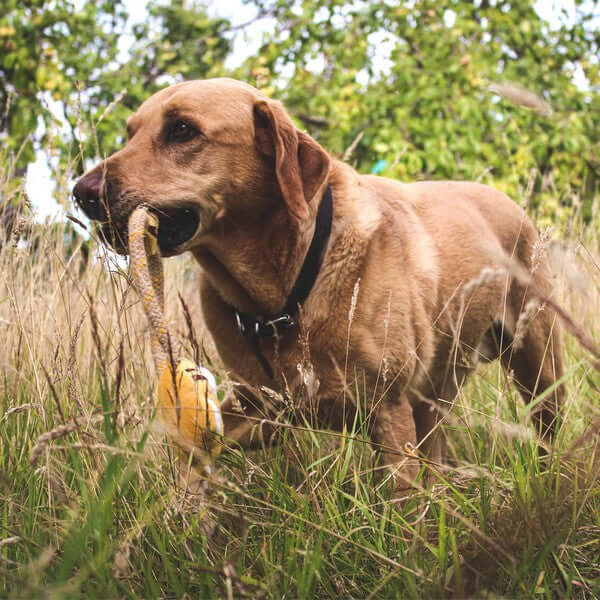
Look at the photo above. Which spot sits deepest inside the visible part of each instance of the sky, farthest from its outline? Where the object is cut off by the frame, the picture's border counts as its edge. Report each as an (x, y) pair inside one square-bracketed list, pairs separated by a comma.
[(40, 182)]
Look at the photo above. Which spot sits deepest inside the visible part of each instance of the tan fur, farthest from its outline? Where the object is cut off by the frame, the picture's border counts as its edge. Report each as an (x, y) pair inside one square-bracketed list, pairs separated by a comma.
[(416, 256)]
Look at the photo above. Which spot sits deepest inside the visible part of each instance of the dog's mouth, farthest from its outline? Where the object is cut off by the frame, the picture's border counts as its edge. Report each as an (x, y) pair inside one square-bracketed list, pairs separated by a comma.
[(176, 227)]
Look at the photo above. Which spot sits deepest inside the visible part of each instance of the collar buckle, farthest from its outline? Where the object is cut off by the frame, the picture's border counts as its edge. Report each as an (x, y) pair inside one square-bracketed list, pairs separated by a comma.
[(258, 327), (254, 327), (274, 326), (239, 321)]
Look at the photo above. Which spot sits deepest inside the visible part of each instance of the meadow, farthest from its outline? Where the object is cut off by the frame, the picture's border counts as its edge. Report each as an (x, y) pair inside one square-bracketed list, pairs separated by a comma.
[(92, 502)]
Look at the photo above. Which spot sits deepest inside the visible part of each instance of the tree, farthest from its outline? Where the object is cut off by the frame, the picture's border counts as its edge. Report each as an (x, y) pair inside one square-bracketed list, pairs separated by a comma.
[(404, 86), (55, 54), (45, 48), (413, 82)]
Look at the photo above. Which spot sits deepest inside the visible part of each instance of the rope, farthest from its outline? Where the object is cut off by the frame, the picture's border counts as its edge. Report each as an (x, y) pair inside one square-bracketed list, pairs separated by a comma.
[(187, 395)]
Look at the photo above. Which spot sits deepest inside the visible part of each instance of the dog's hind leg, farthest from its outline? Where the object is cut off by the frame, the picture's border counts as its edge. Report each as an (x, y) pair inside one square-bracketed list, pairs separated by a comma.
[(535, 357), (394, 435)]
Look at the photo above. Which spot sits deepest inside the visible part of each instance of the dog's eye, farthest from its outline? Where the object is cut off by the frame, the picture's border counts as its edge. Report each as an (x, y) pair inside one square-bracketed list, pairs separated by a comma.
[(181, 131)]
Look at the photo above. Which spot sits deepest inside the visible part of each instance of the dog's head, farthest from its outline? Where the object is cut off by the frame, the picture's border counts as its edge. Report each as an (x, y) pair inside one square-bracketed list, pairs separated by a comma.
[(201, 151)]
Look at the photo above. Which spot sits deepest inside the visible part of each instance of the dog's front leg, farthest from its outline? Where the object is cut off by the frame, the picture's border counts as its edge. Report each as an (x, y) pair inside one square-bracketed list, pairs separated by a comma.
[(246, 420), (394, 434)]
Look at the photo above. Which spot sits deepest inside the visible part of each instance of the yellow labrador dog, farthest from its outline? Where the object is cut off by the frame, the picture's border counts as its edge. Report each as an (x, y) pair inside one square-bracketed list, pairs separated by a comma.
[(325, 282)]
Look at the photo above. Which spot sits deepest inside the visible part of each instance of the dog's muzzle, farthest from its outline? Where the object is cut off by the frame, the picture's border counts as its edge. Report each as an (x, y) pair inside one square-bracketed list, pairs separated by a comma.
[(88, 193), (99, 199)]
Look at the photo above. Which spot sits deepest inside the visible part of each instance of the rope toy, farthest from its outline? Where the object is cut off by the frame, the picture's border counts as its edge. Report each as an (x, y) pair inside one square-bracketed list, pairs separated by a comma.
[(187, 398)]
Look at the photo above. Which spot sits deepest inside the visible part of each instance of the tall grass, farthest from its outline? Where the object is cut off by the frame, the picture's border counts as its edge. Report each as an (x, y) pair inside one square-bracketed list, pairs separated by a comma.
[(91, 502)]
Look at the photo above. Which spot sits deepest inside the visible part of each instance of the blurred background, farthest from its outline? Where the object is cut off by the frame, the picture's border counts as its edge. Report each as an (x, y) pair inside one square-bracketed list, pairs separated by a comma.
[(418, 89)]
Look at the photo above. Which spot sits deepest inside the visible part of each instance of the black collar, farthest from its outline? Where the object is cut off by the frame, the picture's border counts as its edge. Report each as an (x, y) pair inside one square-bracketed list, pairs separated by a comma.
[(254, 327)]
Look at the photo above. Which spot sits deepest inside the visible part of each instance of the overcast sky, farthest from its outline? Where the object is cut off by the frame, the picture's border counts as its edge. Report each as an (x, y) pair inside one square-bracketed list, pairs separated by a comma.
[(39, 177)]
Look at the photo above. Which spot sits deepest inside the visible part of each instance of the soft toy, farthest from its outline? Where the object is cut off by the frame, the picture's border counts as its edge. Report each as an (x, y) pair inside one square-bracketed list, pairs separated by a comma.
[(187, 394)]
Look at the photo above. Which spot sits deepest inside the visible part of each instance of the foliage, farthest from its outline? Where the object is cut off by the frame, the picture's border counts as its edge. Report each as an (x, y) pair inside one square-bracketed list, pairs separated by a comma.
[(413, 80), (46, 47), (177, 41), (71, 60)]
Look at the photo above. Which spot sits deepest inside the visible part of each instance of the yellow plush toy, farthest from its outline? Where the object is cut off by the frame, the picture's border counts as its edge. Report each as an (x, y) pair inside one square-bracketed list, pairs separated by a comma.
[(189, 405), (187, 399)]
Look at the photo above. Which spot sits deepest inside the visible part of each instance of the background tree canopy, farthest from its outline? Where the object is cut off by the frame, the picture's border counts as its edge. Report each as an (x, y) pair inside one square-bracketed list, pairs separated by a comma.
[(401, 89)]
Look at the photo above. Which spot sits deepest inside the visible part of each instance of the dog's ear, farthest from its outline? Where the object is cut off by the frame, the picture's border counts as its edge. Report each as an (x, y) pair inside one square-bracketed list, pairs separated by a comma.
[(301, 165)]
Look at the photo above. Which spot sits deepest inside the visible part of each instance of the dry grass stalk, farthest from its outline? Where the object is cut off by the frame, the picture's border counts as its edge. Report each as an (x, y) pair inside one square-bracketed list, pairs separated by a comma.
[(487, 274), (523, 97), (353, 301), (517, 270), (540, 248), (352, 147), (527, 315), (190, 329), (15, 410), (57, 433), (15, 539), (351, 311), (72, 391), (383, 371), (112, 105)]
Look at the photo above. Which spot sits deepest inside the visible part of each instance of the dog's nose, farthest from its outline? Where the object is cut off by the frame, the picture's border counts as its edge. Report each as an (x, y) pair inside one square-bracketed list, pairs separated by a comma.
[(88, 194)]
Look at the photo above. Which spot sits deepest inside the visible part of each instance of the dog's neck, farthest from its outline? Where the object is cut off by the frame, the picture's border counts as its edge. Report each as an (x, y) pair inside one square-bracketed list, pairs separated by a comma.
[(254, 266)]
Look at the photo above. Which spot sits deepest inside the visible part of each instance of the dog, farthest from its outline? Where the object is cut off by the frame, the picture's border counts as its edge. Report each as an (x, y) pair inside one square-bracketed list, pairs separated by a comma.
[(322, 281)]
